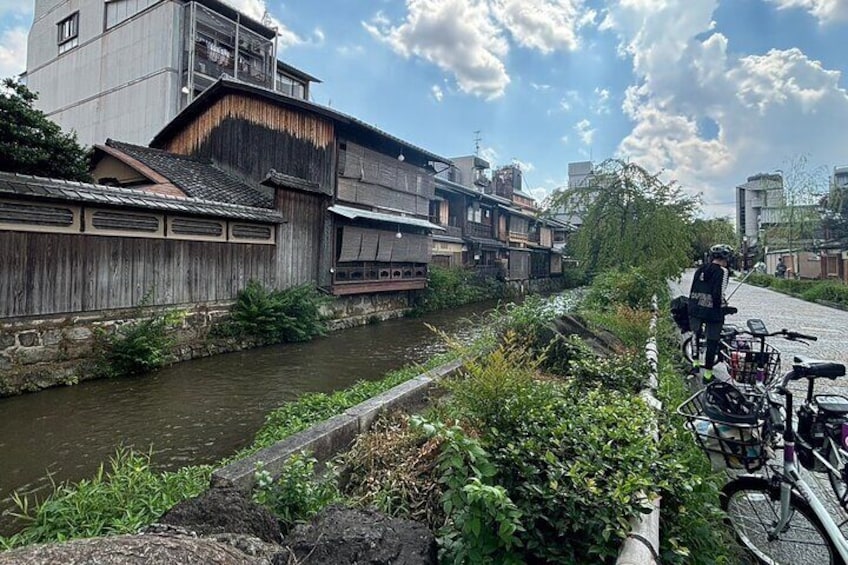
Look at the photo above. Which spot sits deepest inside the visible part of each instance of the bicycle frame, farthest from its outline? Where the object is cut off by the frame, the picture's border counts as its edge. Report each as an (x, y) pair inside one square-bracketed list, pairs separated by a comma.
[(790, 478)]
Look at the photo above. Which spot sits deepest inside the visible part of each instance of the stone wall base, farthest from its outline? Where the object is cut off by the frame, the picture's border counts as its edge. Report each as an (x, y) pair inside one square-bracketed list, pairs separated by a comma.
[(42, 352)]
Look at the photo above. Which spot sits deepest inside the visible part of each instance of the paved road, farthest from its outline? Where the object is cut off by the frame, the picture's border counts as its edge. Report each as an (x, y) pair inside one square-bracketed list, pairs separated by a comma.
[(779, 311)]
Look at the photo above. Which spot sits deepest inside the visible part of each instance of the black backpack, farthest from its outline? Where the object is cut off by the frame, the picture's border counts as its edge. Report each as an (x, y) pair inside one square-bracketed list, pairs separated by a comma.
[(680, 313)]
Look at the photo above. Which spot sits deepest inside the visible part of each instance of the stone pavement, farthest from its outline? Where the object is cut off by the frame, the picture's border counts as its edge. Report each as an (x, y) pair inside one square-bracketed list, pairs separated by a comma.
[(780, 311)]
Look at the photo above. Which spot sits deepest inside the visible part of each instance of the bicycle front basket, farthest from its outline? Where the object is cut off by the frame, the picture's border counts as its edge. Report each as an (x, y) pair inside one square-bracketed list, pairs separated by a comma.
[(729, 445), (744, 356)]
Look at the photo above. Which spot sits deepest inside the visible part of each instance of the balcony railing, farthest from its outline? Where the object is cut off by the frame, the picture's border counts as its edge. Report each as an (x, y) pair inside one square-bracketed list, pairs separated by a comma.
[(490, 271), (378, 272), (474, 229)]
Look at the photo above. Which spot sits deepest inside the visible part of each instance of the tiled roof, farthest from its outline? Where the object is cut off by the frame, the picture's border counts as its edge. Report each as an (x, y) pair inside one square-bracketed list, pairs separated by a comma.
[(57, 189), (195, 177)]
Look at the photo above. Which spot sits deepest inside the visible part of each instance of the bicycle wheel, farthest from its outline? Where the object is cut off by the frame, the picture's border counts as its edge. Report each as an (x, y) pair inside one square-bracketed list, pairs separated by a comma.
[(753, 509)]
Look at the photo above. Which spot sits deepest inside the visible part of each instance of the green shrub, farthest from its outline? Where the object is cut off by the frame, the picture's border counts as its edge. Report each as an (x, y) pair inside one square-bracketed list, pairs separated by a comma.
[(630, 325), (273, 316), (574, 277), (455, 286), (137, 347), (760, 279), (632, 287), (121, 500), (481, 522), (297, 495), (828, 291)]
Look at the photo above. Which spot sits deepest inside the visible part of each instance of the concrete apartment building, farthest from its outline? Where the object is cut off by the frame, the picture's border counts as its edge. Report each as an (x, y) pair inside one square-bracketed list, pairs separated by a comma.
[(125, 68), (757, 202)]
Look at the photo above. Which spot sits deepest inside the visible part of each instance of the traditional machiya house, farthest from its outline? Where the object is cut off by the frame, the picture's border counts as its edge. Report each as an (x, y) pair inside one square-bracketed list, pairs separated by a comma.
[(356, 200), (472, 237)]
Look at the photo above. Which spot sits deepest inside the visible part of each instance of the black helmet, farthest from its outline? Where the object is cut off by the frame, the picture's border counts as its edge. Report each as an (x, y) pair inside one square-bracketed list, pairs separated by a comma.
[(721, 251), (724, 402)]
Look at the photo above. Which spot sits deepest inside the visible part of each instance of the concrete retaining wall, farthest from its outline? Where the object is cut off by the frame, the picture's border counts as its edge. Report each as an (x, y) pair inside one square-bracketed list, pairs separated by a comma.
[(332, 436)]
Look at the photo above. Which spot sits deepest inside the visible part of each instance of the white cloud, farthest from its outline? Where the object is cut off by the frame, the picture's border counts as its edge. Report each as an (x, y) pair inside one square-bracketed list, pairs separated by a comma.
[(585, 131), (564, 139), (545, 25), (459, 36), (470, 39), (13, 50), (490, 155), (536, 86), (599, 104), (437, 92), (318, 36), (525, 166), (258, 10), (766, 107), (826, 11)]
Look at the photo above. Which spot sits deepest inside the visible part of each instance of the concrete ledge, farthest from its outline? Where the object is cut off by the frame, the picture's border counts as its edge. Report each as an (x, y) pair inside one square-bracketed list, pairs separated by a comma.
[(642, 544), (327, 438), (323, 440)]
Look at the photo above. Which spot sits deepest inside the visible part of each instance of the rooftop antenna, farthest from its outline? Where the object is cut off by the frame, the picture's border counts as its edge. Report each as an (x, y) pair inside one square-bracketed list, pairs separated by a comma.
[(477, 140)]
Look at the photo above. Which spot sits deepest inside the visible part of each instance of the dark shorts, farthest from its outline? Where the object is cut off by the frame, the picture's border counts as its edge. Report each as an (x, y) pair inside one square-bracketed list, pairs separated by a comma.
[(710, 330)]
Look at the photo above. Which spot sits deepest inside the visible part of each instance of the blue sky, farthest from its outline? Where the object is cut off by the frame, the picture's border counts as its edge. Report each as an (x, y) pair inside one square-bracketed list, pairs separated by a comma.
[(707, 91)]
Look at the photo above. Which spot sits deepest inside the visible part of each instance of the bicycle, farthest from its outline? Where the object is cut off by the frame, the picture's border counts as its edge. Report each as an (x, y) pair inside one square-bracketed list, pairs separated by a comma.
[(775, 514), (749, 357)]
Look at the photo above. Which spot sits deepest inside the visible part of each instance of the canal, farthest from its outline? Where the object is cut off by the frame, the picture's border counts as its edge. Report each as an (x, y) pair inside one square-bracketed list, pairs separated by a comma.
[(198, 411)]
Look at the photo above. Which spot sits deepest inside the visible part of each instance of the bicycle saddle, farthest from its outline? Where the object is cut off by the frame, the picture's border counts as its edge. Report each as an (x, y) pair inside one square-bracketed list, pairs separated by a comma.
[(806, 367)]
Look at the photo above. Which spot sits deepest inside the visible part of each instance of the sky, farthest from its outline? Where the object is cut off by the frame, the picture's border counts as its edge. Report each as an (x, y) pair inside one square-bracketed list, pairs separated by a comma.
[(707, 92)]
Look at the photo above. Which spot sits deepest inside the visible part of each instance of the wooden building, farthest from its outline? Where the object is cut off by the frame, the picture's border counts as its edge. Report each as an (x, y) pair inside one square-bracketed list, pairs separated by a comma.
[(70, 247), (356, 199)]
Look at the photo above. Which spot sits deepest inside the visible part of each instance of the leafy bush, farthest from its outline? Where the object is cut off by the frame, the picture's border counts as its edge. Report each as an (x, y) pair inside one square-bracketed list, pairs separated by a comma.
[(632, 287), (121, 500), (451, 287), (574, 277), (630, 325), (623, 373), (297, 495), (137, 347), (273, 316), (481, 522), (810, 290)]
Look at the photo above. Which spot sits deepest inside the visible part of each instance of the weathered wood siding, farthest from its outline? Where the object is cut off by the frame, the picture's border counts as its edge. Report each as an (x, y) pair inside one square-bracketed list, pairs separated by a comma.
[(253, 136), (43, 273), (302, 253), (374, 179)]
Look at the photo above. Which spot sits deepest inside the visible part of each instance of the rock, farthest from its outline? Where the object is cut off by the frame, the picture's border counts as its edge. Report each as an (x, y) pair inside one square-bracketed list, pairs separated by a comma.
[(139, 549), (339, 536), (224, 510)]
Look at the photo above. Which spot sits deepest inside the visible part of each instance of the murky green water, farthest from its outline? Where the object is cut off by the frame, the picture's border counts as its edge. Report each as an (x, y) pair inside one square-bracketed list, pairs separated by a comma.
[(198, 411)]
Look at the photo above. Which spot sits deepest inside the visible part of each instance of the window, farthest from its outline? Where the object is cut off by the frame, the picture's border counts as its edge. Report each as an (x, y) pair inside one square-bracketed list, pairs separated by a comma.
[(68, 37)]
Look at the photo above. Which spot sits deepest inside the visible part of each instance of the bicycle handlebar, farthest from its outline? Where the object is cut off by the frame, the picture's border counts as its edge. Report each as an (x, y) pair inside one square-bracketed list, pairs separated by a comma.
[(785, 333)]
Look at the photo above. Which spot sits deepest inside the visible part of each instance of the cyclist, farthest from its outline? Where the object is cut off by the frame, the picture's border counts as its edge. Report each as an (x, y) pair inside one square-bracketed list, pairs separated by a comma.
[(707, 303)]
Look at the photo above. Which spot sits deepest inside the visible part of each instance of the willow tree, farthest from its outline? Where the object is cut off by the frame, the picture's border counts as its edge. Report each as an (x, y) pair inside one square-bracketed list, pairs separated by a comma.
[(707, 232), (630, 218)]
